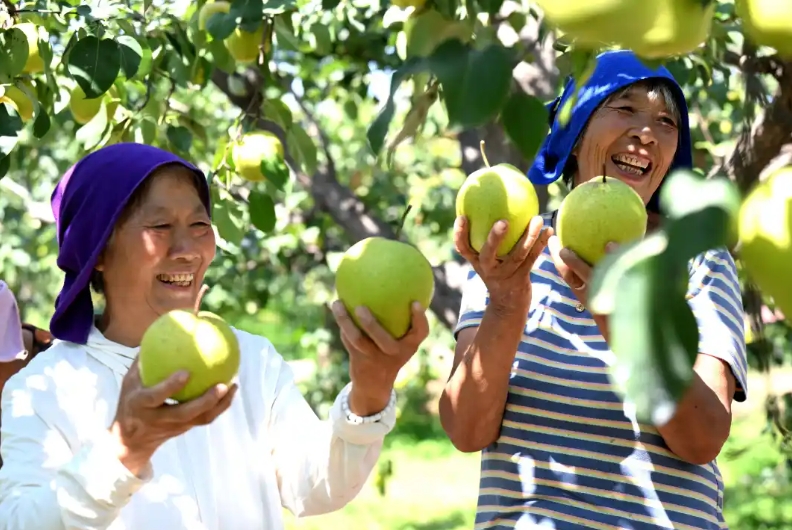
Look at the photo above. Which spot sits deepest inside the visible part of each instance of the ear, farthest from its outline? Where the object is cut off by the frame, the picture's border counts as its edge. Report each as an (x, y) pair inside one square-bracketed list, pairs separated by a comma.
[(100, 263)]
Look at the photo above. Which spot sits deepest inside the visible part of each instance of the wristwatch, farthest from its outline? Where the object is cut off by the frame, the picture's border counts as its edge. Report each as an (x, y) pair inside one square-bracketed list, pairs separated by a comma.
[(358, 420)]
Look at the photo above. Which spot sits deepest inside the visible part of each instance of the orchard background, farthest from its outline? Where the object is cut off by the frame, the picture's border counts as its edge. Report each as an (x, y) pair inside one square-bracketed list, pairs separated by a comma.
[(375, 114)]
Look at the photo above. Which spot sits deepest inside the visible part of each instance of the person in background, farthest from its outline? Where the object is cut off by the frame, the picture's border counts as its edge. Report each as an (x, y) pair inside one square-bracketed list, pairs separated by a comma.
[(19, 343), (87, 446), (529, 385)]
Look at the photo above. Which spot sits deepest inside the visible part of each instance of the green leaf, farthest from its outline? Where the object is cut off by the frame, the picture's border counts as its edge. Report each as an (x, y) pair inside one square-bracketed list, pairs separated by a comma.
[(654, 337), (276, 111), (262, 211), (704, 67), (581, 63), (42, 124), (221, 150), (490, 6), (275, 170), (131, 55), (327, 5), (351, 109), (303, 147), (94, 64), (247, 11), (220, 56), (285, 35), (45, 52), (10, 125), (686, 193), (179, 137), (221, 25), (148, 130), (194, 126), (378, 129), (228, 218), (525, 122), (5, 165), (614, 266), (13, 53), (322, 42), (475, 82)]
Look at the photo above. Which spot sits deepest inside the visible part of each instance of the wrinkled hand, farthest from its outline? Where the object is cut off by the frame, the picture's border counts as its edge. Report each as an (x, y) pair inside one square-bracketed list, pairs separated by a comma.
[(143, 420), (375, 356), (508, 279), (577, 274), (573, 269)]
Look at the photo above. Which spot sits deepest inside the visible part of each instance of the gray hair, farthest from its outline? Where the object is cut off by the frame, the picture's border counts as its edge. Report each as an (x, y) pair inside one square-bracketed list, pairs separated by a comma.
[(656, 90)]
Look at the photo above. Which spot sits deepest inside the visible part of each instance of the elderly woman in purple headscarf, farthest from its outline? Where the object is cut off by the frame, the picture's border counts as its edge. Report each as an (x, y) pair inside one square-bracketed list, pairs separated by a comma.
[(87, 446)]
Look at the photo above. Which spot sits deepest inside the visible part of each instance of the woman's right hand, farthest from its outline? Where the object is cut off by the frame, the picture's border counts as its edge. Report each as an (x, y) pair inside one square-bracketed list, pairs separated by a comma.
[(143, 420), (508, 279)]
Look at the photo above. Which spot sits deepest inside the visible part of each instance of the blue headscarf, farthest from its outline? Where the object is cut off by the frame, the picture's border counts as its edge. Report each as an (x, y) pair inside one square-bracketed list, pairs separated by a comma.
[(614, 71), (87, 203)]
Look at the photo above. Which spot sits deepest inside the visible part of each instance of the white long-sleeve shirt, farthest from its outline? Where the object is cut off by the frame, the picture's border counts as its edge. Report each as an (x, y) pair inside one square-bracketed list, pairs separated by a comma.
[(267, 451)]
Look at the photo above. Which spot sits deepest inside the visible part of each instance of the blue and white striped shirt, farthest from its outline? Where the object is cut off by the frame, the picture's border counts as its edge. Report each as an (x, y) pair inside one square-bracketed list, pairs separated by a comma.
[(570, 455)]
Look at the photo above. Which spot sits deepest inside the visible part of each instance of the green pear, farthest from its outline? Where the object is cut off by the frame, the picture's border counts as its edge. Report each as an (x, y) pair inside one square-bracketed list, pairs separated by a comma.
[(679, 27), (201, 343), (494, 193), (768, 22), (765, 226), (656, 28), (386, 276), (596, 22), (598, 212)]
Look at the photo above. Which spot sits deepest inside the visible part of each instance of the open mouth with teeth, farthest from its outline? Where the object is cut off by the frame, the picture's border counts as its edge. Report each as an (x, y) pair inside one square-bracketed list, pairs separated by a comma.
[(176, 280), (632, 164)]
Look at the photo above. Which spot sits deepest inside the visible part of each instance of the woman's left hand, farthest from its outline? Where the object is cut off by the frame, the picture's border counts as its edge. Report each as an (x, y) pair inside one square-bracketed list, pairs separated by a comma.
[(375, 357), (577, 274)]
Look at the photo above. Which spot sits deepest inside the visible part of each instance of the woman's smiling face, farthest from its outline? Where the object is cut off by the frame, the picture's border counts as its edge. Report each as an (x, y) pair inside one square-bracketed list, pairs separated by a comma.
[(158, 254), (633, 137)]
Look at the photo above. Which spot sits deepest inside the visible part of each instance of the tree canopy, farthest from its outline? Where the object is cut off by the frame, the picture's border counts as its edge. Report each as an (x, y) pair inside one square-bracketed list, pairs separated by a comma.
[(361, 109)]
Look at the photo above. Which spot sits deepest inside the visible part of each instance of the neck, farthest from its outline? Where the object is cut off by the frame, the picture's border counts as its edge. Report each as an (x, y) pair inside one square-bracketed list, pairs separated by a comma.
[(125, 331)]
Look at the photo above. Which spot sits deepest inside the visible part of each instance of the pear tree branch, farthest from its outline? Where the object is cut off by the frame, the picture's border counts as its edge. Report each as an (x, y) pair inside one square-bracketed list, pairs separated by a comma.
[(337, 200)]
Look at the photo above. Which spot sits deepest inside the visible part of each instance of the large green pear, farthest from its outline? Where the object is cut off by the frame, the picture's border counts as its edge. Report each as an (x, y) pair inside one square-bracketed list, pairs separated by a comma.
[(679, 27), (386, 276), (766, 235), (202, 344), (494, 193), (768, 22), (651, 28), (600, 21), (598, 212)]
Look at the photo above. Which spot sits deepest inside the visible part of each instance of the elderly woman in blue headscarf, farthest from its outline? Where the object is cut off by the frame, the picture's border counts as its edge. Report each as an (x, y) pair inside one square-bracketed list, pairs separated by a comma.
[(529, 385), (86, 446)]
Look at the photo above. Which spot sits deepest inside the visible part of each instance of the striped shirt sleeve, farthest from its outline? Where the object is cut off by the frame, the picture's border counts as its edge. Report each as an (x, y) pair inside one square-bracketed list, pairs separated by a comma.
[(474, 301), (715, 297)]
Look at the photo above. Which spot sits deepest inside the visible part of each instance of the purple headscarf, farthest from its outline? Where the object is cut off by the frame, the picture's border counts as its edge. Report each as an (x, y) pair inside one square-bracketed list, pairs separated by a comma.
[(11, 345), (86, 203)]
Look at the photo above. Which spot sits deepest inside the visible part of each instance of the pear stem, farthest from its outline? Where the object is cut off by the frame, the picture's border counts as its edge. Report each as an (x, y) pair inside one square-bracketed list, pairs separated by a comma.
[(201, 294), (603, 173), (483, 154), (402, 220)]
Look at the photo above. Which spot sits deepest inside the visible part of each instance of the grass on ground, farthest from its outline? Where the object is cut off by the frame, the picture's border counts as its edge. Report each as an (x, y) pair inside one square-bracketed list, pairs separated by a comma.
[(433, 487)]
